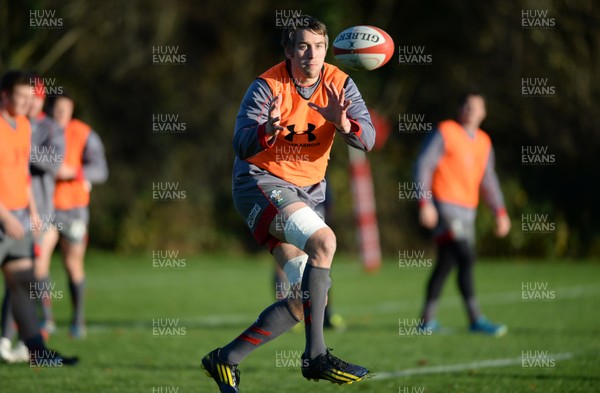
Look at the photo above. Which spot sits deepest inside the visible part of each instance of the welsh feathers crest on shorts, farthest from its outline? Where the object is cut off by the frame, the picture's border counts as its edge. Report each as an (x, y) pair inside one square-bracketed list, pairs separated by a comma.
[(276, 197)]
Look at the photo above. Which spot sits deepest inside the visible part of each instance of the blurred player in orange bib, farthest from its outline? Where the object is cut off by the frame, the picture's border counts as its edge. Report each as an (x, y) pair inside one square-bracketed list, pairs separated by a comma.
[(47, 150), (84, 164), (456, 162), (17, 210)]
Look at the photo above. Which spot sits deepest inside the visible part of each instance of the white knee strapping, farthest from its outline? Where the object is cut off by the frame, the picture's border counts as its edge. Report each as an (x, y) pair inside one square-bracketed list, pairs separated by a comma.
[(294, 269), (301, 225)]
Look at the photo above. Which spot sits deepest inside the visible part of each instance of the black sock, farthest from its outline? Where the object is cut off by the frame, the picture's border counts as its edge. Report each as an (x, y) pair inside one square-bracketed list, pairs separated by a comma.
[(445, 263), (8, 322), (23, 306), (77, 297), (35, 343), (465, 255)]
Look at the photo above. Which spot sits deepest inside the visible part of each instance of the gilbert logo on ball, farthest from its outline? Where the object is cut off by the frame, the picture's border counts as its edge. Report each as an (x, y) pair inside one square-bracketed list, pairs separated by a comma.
[(363, 47)]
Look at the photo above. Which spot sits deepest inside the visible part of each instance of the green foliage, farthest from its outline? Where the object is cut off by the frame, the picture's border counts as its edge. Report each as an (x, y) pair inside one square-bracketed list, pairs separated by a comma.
[(103, 56)]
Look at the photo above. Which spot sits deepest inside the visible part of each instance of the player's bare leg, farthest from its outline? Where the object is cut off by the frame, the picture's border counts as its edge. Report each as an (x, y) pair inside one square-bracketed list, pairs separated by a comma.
[(292, 262), (42, 261)]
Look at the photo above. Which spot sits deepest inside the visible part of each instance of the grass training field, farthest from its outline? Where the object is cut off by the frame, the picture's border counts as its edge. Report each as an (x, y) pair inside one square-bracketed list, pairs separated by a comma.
[(148, 328)]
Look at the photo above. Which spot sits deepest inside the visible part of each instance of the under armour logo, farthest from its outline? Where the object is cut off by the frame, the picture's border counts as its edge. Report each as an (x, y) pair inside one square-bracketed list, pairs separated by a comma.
[(309, 131), (351, 45)]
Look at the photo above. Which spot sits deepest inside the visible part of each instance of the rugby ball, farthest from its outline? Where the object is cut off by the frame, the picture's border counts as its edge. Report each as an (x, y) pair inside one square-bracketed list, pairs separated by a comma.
[(363, 47)]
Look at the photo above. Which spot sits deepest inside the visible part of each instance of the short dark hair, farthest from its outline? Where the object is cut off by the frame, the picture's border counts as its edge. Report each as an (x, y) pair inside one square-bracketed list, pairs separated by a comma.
[(12, 79), (49, 107), (302, 22), (464, 96)]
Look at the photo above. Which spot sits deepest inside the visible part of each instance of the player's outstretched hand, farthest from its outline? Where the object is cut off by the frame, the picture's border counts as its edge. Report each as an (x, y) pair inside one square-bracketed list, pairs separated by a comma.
[(273, 127), (335, 111)]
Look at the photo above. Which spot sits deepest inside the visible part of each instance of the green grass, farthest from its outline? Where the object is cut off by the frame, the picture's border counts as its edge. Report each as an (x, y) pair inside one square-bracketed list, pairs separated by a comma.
[(216, 297)]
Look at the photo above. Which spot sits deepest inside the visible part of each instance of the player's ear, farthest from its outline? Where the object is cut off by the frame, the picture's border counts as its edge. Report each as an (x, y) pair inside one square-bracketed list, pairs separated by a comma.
[(289, 53)]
